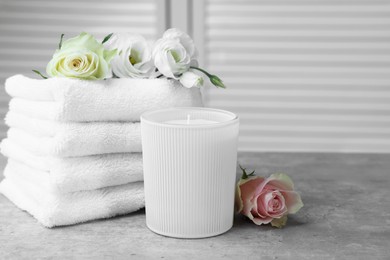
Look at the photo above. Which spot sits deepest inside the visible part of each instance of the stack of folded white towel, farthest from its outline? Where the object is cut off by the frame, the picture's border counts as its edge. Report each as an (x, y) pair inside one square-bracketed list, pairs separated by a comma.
[(74, 147)]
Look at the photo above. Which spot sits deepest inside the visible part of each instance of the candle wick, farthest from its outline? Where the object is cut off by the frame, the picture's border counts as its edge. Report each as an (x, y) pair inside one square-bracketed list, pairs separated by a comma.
[(188, 119)]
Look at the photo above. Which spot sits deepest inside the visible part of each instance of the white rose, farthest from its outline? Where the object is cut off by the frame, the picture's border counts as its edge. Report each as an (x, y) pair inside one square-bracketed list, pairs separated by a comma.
[(190, 79), (81, 57), (135, 57), (174, 53)]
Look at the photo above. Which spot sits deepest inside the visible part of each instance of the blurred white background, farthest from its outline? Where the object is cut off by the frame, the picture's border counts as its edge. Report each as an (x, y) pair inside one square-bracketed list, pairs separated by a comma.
[(303, 75)]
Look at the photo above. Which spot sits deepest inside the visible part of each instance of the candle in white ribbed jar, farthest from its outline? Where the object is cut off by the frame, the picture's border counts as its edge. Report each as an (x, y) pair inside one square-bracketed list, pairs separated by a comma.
[(189, 158)]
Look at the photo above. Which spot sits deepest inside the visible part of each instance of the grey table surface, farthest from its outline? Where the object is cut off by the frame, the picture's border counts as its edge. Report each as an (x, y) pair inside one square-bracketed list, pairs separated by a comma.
[(346, 216)]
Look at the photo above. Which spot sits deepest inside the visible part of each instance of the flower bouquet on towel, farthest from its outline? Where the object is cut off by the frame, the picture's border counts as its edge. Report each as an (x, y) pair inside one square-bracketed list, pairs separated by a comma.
[(74, 144)]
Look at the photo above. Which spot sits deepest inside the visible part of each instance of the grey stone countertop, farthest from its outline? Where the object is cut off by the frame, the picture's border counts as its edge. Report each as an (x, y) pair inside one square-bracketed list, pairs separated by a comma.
[(346, 216)]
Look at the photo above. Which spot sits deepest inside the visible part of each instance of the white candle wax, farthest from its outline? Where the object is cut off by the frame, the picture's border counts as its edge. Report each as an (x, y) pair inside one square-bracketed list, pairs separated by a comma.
[(191, 122), (189, 160)]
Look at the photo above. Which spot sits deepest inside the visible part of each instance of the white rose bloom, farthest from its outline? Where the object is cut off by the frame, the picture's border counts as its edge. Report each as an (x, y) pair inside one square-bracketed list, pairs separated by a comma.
[(174, 53), (135, 57), (81, 57), (190, 79)]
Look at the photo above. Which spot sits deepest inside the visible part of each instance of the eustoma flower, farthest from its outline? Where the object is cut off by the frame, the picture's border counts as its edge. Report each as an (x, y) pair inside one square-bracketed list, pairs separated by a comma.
[(267, 200), (135, 56), (175, 54), (190, 79), (81, 57)]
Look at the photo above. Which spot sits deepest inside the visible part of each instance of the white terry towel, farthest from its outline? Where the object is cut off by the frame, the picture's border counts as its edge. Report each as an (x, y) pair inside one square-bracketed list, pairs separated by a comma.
[(67, 99), (64, 139), (52, 209), (80, 173)]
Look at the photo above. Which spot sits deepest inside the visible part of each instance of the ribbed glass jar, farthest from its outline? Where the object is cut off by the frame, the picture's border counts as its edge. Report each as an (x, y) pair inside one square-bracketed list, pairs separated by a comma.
[(189, 158)]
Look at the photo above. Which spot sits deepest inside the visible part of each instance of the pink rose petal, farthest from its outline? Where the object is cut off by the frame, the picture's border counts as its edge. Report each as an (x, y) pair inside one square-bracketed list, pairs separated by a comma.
[(246, 191), (269, 198), (260, 221), (260, 206), (277, 181), (293, 201)]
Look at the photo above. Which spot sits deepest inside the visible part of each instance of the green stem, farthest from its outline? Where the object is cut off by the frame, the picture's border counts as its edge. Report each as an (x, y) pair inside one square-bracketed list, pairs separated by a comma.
[(213, 78), (202, 70)]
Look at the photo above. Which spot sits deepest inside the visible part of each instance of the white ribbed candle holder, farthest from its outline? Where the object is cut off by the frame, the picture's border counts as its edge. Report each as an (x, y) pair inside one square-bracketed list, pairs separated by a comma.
[(189, 158)]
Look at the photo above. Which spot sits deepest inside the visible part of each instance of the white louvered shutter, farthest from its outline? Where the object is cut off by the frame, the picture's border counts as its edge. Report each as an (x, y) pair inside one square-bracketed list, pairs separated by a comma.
[(303, 75), (30, 30)]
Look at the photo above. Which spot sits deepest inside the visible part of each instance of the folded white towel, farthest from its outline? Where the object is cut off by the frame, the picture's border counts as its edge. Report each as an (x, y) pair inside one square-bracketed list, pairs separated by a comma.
[(67, 99), (67, 209), (80, 173), (64, 139)]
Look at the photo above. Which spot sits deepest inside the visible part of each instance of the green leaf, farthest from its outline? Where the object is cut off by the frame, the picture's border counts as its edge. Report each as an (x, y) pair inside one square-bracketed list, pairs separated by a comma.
[(279, 222), (245, 175), (40, 74), (60, 44), (107, 38)]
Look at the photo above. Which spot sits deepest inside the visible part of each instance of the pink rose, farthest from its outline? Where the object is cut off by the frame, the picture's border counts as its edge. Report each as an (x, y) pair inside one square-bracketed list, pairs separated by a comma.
[(267, 200)]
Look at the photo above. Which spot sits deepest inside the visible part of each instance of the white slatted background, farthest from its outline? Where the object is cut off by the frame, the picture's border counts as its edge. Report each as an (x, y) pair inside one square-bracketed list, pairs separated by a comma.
[(303, 75), (30, 30)]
